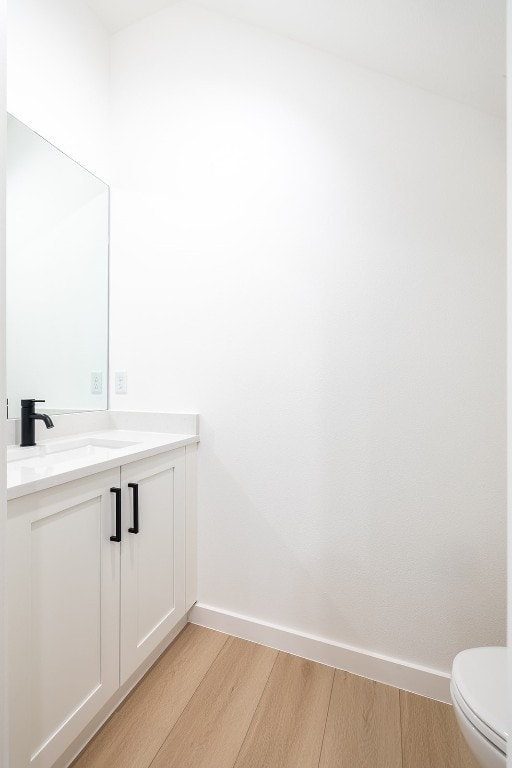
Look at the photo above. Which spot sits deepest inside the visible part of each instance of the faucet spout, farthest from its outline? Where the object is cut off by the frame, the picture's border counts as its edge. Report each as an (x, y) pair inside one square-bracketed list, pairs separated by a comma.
[(44, 417)]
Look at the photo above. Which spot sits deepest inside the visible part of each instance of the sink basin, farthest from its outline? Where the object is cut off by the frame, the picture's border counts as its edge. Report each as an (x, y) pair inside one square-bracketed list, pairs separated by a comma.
[(62, 451), (84, 442)]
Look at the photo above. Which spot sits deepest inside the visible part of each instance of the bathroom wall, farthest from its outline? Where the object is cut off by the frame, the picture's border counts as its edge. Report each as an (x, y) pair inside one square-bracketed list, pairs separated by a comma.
[(312, 256), (3, 605), (58, 77), (509, 357)]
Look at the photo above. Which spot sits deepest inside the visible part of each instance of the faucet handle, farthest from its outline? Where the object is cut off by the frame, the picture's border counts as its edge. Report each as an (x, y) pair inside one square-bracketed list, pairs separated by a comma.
[(27, 403)]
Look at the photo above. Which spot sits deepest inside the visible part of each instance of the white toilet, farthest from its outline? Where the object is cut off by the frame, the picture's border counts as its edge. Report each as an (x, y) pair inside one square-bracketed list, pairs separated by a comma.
[(478, 691)]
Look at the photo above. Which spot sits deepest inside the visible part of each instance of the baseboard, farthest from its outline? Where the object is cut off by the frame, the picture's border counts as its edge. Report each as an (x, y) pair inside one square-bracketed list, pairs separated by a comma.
[(399, 674)]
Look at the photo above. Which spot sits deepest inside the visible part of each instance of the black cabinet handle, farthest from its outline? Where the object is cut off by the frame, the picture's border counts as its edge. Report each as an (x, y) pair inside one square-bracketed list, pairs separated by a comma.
[(135, 487), (117, 492)]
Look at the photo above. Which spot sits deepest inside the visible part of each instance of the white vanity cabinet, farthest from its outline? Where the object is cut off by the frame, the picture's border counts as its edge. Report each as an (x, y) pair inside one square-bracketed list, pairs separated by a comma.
[(63, 608), (85, 610)]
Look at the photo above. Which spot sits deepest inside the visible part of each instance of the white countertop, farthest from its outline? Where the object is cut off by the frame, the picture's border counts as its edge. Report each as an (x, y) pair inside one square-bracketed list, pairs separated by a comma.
[(47, 465)]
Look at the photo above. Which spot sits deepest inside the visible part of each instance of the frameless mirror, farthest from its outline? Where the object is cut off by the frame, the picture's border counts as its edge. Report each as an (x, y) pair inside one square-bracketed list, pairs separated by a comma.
[(57, 277)]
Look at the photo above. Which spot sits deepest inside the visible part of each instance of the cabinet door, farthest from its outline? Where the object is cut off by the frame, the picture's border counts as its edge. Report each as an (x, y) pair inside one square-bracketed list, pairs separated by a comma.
[(63, 582), (152, 560)]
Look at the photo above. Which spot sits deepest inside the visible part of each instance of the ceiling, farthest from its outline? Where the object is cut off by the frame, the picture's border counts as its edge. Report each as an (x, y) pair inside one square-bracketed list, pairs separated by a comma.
[(452, 47), (117, 14)]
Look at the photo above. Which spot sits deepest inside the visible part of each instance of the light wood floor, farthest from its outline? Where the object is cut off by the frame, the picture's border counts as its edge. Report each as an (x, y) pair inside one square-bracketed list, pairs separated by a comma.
[(214, 701)]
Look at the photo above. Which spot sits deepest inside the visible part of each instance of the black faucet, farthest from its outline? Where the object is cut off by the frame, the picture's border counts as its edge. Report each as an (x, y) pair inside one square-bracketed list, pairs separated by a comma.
[(28, 422)]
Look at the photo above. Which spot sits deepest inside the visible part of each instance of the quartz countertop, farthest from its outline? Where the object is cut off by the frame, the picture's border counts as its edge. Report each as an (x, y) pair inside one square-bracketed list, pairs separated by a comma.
[(61, 460)]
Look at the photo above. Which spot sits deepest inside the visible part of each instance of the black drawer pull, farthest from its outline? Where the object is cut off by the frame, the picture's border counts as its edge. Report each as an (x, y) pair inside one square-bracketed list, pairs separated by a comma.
[(135, 487), (117, 492)]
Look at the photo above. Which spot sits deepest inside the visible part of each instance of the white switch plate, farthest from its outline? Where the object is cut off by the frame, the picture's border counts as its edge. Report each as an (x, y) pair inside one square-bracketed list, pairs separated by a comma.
[(96, 382), (121, 383)]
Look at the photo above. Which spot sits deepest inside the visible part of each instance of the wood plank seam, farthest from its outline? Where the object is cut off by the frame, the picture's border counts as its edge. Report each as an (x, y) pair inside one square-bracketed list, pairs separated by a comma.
[(325, 724), (236, 675), (255, 710), (191, 697), (288, 725), (401, 726)]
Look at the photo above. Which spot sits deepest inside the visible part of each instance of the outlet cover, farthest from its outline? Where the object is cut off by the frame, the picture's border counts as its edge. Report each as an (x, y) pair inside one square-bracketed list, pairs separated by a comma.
[(121, 383), (96, 382)]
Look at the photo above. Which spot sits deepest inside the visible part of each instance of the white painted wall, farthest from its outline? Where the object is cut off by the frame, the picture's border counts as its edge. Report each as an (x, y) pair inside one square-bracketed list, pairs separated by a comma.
[(312, 256), (58, 77), (509, 388), (3, 590)]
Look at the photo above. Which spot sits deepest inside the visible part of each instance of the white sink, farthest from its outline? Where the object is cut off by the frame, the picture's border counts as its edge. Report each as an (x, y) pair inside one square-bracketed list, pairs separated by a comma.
[(62, 451), (83, 442)]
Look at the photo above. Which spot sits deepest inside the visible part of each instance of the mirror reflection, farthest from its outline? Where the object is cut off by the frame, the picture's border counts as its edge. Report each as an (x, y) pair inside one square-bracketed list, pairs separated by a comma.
[(57, 277)]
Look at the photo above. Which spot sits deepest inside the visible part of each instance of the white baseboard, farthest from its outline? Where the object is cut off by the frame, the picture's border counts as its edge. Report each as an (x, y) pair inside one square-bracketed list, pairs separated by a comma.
[(399, 674)]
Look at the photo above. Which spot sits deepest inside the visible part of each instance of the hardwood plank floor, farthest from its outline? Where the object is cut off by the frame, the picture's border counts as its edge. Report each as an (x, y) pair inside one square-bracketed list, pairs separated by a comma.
[(214, 701), (430, 735), (212, 728), (133, 735), (288, 726), (363, 725)]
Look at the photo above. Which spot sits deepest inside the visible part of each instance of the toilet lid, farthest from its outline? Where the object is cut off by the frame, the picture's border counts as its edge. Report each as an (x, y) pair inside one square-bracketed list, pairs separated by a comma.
[(480, 687)]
